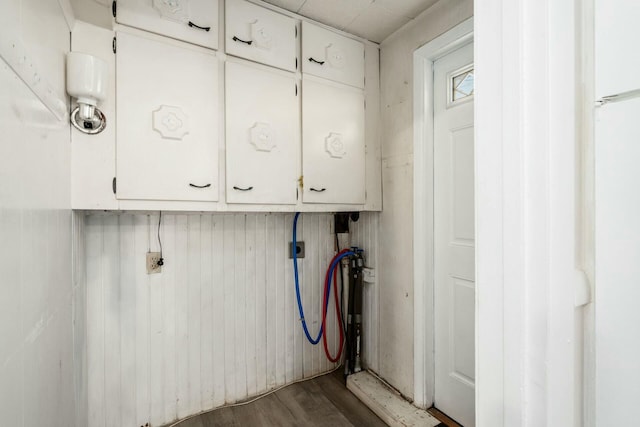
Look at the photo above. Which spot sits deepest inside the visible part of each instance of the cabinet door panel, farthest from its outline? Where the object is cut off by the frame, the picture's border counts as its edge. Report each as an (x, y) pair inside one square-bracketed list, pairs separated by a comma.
[(260, 34), (194, 21), (167, 121), (332, 56), (262, 135), (617, 61), (333, 157)]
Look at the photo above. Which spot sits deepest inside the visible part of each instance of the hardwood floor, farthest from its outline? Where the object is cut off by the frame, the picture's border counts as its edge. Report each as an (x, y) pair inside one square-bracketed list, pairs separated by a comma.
[(323, 401), (445, 420)]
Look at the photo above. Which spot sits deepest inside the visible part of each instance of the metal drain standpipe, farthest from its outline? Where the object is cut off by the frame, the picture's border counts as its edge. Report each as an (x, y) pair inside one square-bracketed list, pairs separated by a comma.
[(354, 318)]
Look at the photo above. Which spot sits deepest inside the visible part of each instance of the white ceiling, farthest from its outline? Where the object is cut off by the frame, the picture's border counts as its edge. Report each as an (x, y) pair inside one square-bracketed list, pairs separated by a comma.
[(374, 20)]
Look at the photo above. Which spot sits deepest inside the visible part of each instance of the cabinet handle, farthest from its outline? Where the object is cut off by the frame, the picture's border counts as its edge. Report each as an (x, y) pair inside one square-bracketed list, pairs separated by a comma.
[(200, 186), (235, 39), (191, 24), (316, 190), (316, 61), (242, 189)]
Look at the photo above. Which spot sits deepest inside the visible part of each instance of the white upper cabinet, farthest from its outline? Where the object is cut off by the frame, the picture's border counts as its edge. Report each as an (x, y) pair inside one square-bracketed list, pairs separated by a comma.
[(262, 135), (616, 59), (261, 35), (167, 120), (333, 153), (332, 56), (193, 21)]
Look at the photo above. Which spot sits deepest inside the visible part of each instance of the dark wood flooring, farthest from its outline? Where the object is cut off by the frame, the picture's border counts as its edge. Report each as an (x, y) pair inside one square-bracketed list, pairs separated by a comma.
[(323, 401), (441, 416)]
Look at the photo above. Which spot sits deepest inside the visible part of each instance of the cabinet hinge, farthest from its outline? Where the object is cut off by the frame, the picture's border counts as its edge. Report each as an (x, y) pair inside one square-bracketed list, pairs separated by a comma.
[(113, 185), (113, 45), (296, 89), (296, 31), (296, 63), (301, 181), (114, 8)]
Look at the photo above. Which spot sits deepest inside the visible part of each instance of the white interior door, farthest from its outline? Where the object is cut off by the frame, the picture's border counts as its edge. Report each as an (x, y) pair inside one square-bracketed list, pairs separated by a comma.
[(454, 259)]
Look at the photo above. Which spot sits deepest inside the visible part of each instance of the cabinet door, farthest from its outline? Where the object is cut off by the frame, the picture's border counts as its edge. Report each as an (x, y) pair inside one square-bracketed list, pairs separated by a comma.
[(332, 56), (261, 35), (263, 135), (333, 161), (616, 60), (167, 120), (194, 21)]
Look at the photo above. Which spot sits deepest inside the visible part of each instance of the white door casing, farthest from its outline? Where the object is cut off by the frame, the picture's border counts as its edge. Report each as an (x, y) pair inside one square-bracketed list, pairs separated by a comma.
[(423, 244), (454, 239)]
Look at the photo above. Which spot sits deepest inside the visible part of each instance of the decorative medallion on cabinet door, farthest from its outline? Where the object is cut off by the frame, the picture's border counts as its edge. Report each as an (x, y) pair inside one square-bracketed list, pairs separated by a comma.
[(335, 145), (167, 133), (170, 122), (262, 135), (193, 21), (261, 35)]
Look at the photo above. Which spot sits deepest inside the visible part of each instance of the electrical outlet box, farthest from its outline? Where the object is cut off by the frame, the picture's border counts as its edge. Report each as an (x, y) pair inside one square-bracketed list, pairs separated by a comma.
[(152, 263), (299, 250), (368, 275)]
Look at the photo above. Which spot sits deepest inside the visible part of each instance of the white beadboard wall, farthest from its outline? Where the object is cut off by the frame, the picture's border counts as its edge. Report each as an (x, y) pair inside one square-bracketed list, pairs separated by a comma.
[(219, 324)]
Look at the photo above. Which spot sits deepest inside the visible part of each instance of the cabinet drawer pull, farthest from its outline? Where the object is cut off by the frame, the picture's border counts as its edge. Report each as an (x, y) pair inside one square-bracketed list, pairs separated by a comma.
[(235, 39), (200, 186), (242, 189), (191, 24), (316, 61), (316, 190)]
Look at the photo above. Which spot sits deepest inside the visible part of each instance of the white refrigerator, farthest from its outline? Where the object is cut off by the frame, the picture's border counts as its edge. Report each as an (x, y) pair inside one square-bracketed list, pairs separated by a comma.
[(617, 212)]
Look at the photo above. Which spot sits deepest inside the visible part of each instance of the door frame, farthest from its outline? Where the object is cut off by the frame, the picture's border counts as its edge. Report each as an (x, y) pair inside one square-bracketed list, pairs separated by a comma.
[(423, 242)]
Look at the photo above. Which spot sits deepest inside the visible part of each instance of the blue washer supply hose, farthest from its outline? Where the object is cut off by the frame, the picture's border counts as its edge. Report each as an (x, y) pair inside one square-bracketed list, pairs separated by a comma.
[(295, 272), (297, 281)]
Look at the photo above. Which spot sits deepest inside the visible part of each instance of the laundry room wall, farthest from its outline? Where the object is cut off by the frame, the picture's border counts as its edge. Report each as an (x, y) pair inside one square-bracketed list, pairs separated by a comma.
[(396, 230), (37, 363), (219, 324)]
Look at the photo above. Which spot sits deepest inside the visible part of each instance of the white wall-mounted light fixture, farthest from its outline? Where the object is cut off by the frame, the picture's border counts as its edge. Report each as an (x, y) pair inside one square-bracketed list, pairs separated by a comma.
[(87, 78)]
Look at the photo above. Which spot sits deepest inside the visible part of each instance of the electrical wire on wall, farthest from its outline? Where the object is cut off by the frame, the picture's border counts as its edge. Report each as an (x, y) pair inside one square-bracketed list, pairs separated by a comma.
[(161, 260)]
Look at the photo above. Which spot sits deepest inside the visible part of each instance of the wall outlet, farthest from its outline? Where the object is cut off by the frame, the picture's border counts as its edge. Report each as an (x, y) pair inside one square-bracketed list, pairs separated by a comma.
[(152, 263), (368, 275), (299, 250)]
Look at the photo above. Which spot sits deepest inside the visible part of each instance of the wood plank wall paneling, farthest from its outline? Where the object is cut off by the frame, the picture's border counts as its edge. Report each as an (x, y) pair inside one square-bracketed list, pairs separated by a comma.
[(219, 324), (79, 318)]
